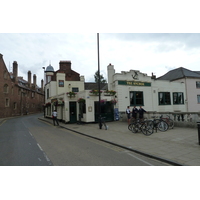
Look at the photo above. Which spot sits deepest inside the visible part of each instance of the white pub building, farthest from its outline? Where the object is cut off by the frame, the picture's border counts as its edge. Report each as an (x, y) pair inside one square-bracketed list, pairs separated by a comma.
[(74, 99)]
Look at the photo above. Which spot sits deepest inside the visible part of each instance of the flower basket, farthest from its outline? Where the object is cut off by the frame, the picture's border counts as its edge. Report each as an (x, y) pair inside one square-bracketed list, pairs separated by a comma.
[(58, 103), (109, 93), (103, 101), (48, 104), (95, 92), (71, 94), (81, 100)]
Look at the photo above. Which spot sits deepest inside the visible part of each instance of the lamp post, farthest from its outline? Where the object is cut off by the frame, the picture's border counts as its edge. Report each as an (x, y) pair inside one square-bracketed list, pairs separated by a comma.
[(100, 124), (44, 91)]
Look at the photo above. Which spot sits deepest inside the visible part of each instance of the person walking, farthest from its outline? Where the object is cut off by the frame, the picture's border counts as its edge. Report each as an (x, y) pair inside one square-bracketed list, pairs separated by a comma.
[(134, 113), (128, 112), (141, 112), (54, 116)]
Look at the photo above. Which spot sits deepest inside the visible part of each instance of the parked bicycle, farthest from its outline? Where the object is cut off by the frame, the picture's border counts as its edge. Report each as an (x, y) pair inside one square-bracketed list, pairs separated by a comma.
[(169, 121), (140, 125), (158, 124)]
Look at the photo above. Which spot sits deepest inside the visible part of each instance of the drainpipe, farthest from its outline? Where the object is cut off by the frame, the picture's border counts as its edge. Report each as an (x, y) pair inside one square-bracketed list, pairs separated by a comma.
[(186, 94)]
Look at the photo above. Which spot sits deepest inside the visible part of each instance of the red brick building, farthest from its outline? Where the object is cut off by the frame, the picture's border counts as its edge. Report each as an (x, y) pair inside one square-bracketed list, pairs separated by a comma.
[(18, 96)]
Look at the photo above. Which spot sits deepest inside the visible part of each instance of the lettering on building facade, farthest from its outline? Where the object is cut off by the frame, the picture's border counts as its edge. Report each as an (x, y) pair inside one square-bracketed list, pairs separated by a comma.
[(134, 83)]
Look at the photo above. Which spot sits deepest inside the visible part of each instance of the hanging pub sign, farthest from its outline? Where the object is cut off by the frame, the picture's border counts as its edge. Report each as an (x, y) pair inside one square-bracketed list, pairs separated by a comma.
[(134, 83)]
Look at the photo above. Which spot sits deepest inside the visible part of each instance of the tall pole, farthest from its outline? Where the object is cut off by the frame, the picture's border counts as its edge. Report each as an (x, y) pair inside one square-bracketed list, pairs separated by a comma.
[(100, 124), (44, 92)]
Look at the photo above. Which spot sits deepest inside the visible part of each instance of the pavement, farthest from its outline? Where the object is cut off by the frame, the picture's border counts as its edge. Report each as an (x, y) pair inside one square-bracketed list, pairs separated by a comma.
[(178, 146)]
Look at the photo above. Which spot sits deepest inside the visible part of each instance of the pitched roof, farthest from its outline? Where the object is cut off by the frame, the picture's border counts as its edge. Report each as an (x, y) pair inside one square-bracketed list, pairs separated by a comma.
[(178, 74), (95, 86)]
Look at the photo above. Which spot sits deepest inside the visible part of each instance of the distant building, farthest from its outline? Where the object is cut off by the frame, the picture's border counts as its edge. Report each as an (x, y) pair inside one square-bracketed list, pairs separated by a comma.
[(191, 80), (18, 96)]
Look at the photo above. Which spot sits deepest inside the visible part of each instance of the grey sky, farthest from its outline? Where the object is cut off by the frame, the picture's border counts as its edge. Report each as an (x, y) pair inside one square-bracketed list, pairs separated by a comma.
[(142, 36), (146, 52)]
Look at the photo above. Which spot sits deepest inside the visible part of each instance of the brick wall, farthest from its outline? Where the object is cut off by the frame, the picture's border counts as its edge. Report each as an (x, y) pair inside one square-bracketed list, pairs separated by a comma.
[(15, 99)]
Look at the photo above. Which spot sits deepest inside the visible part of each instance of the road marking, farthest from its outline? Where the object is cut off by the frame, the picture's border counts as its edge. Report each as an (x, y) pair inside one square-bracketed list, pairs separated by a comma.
[(40, 147), (140, 159), (48, 160), (46, 157), (3, 122), (39, 159), (30, 134)]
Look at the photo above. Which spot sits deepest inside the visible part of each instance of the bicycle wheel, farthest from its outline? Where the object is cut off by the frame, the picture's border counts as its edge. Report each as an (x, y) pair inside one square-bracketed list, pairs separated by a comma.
[(162, 126), (147, 129), (130, 127), (135, 128), (171, 123)]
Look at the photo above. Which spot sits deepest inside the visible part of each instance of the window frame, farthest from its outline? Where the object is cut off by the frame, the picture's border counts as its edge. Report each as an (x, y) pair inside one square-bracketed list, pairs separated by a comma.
[(75, 89), (198, 95), (5, 88), (198, 84), (134, 100), (179, 101), (61, 83), (164, 98)]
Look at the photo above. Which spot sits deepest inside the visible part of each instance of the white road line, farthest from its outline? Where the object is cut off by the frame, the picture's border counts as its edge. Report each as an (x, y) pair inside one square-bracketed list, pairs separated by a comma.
[(30, 134), (39, 159), (40, 147), (140, 159), (48, 160)]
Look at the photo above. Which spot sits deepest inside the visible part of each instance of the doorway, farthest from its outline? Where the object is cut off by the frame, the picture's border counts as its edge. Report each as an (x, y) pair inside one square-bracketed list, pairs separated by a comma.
[(72, 111), (107, 111)]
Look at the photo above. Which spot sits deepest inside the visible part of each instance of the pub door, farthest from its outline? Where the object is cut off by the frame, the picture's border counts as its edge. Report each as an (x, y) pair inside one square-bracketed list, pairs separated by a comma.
[(72, 111)]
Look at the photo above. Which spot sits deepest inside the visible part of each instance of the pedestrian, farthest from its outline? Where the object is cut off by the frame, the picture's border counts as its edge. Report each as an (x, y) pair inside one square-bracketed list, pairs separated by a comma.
[(134, 113), (54, 116), (141, 112), (128, 112)]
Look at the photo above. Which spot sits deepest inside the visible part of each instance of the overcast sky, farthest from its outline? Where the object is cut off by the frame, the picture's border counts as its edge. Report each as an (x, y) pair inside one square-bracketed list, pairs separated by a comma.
[(133, 35), (147, 52)]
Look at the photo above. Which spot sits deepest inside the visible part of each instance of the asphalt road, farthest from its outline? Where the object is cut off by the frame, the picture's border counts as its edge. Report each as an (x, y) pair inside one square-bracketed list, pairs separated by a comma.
[(27, 141)]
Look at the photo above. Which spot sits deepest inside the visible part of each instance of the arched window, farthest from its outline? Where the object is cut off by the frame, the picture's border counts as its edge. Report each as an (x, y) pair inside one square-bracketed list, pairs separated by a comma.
[(5, 75), (7, 102), (5, 88)]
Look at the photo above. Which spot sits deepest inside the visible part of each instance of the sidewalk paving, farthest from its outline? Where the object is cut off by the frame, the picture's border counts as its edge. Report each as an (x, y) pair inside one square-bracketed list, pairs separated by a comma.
[(178, 146)]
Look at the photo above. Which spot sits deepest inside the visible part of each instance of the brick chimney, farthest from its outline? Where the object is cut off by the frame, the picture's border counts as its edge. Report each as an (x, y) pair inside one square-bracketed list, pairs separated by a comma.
[(65, 65), (42, 84), (29, 78), (34, 79), (15, 71)]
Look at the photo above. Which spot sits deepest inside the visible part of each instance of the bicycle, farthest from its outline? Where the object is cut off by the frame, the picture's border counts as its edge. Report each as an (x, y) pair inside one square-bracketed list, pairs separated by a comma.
[(133, 121), (102, 123), (142, 126), (169, 121), (158, 124)]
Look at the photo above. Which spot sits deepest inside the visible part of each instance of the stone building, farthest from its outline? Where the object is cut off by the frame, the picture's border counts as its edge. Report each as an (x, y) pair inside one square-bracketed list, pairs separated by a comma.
[(18, 96)]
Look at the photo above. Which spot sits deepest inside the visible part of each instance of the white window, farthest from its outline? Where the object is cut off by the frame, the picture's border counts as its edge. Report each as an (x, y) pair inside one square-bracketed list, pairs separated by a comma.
[(198, 98)]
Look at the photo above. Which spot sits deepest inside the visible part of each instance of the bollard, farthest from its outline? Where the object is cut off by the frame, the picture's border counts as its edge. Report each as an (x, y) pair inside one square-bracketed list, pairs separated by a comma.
[(198, 126)]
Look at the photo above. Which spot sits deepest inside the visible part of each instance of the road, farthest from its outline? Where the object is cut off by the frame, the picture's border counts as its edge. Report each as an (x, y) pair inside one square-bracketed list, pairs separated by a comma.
[(27, 141)]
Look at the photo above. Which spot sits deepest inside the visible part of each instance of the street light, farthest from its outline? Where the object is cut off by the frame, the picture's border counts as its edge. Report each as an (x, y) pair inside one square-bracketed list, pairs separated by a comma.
[(44, 90), (100, 124)]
